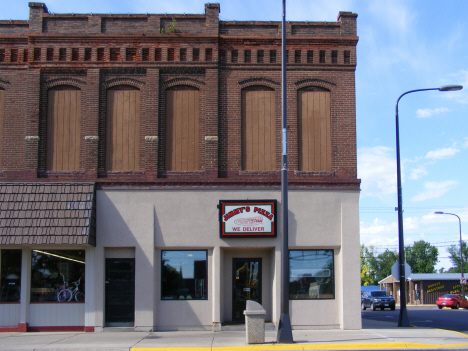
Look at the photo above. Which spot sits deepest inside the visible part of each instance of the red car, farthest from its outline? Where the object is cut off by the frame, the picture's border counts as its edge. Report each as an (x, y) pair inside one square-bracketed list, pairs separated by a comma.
[(452, 300)]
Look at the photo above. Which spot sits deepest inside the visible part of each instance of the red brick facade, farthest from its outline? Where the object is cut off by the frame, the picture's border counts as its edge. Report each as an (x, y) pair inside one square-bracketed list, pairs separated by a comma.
[(94, 52)]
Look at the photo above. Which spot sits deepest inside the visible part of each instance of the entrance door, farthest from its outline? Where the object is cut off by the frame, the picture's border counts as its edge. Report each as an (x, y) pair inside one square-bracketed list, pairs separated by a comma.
[(246, 283), (120, 292)]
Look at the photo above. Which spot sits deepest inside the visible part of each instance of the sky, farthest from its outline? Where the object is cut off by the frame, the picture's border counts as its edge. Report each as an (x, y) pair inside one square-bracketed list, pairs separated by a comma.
[(403, 45)]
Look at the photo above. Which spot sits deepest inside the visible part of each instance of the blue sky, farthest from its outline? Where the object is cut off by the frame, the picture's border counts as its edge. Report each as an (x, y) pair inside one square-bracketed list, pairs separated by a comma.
[(403, 45)]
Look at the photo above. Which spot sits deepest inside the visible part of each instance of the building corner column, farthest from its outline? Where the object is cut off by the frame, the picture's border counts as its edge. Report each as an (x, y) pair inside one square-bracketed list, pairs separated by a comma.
[(25, 296), (216, 293), (349, 265), (90, 321)]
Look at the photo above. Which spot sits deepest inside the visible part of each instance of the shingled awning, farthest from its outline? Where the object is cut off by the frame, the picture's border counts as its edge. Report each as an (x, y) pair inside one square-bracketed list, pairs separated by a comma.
[(47, 213)]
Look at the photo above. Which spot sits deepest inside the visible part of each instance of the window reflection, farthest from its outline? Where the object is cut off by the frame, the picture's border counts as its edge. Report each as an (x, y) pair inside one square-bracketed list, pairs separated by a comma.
[(58, 275), (311, 274), (184, 275), (10, 275)]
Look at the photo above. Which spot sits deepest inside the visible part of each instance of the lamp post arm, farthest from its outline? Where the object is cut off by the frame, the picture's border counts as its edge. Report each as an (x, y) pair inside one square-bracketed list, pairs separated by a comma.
[(412, 91), (403, 320)]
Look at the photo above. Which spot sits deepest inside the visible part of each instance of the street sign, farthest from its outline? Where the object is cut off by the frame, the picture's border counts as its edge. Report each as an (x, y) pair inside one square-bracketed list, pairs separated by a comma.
[(396, 270), (463, 281)]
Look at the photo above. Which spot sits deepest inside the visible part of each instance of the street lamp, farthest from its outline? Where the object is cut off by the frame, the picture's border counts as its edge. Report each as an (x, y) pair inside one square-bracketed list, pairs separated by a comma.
[(461, 249), (403, 320)]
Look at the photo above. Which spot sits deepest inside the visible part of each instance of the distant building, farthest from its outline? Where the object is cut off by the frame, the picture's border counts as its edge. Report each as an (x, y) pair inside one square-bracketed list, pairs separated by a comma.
[(141, 159), (424, 288)]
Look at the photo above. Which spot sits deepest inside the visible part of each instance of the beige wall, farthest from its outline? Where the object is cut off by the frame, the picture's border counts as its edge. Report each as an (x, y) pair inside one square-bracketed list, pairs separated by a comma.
[(152, 220)]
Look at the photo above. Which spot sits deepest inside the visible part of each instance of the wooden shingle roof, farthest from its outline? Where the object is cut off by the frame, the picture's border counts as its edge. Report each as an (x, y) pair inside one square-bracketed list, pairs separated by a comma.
[(47, 213)]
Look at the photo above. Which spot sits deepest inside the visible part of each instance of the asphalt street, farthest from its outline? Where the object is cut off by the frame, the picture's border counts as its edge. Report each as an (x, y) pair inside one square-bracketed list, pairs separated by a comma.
[(424, 316)]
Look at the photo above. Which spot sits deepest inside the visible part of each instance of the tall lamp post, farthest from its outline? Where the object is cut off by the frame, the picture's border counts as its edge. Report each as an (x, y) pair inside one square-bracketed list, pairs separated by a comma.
[(403, 320), (461, 249), (284, 335)]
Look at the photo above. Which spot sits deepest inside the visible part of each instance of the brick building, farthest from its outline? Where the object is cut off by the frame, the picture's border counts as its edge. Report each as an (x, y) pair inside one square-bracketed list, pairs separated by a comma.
[(140, 171)]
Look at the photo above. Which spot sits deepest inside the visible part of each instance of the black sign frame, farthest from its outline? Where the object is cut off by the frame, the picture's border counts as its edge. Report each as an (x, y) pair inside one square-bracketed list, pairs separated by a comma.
[(251, 204)]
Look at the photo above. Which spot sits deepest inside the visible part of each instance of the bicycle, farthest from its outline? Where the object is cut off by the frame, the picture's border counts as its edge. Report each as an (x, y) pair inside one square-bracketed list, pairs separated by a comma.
[(62, 291), (67, 294)]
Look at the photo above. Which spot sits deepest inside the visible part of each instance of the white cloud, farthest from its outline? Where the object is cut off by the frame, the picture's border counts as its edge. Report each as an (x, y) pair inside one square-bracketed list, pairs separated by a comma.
[(466, 142), (376, 168), (379, 233), (439, 154), (417, 173), (427, 112), (434, 190)]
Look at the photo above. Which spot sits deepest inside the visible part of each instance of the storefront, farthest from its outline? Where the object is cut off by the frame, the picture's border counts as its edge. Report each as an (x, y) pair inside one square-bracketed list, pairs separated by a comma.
[(141, 185), (163, 260)]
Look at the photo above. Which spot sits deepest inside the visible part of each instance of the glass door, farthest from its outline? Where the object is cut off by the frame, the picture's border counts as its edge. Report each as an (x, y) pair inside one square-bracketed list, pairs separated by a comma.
[(246, 283), (120, 292)]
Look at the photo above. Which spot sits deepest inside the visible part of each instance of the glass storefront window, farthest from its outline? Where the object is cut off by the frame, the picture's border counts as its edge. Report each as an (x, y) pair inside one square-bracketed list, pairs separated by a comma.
[(311, 274), (184, 275), (10, 275), (58, 275)]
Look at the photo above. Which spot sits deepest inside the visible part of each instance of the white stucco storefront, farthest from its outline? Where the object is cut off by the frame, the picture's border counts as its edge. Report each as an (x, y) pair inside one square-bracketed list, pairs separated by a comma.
[(144, 224)]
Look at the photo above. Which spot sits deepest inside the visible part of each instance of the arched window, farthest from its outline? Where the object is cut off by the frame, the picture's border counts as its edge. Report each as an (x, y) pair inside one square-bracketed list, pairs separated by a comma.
[(258, 129), (314, 126), (123, 129), (63, 128), (182, 128)]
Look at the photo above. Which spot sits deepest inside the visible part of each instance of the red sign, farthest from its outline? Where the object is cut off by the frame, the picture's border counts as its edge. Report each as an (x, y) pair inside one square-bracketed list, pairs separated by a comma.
[(247, 218)]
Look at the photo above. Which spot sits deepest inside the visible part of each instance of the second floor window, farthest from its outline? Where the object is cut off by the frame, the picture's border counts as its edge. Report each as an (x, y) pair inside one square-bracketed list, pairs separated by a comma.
[(182, 126), (63, 129), (123, 129), (314, 126), (258, 129)]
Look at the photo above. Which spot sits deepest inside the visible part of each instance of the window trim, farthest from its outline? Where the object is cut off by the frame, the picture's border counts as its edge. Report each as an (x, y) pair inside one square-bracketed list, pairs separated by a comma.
[(206, 269), (333, 277)]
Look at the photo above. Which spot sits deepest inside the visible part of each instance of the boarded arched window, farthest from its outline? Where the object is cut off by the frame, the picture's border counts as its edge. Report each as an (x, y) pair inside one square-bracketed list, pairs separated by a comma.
[(258, 129), (314, 125), (63, 129), (2, 109), (182, 128), (123, 129)]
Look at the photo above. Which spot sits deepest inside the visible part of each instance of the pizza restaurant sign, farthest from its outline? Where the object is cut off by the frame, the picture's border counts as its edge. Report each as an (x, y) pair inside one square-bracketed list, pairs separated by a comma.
[(247, 218)]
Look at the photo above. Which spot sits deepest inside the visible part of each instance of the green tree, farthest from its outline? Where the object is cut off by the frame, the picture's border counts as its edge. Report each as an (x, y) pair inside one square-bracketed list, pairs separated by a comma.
[(422, 257), (382, 264), (454, 255), (367, 275)]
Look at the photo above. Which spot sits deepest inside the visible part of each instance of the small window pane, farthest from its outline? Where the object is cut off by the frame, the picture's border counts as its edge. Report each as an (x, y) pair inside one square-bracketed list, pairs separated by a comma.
[(311, 274), (247, 56), (272, 56), (184, 275), (58, 275), (234, 56), (196, 54), (10, 275)]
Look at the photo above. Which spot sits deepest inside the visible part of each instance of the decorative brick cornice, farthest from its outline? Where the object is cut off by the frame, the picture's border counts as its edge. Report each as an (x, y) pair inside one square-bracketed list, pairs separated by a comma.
[(65, 81), (310, 82), (258, 81), (151, 138), (123, 81), (183, 81)]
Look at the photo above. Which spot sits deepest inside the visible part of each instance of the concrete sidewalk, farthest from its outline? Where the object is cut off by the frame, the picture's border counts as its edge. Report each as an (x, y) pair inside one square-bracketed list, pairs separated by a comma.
[(374, 335)]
